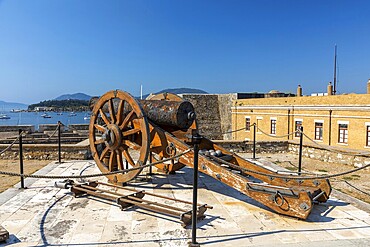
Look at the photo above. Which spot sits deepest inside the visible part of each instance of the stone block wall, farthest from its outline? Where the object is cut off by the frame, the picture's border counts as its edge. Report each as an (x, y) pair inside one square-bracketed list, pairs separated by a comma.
[(329, 156), (207, 114), (308, 151), (79, 128), (225, 102), (213, 114), (15, 128), (7, 131), (45, 152), (247, 146)]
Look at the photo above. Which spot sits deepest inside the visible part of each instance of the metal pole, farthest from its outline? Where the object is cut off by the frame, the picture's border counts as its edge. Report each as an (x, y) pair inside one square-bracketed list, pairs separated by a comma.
[(335, 71), (195, 198), (196, 140), (150, 167), (21, 157), (300, 151), (254, 141), (59, 144)]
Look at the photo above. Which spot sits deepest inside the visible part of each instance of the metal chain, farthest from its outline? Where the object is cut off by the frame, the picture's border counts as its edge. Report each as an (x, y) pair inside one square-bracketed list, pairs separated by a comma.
[(47, 139), (301, 132), (335, 150), (12, 144), (93, 175), (318, 176), (275, 136), (73, 128), (232, 131)]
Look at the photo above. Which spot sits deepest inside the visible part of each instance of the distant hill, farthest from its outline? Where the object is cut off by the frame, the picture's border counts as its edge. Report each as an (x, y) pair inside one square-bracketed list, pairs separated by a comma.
[(62, 105), (7, 106), (78, 96), (179, 91)]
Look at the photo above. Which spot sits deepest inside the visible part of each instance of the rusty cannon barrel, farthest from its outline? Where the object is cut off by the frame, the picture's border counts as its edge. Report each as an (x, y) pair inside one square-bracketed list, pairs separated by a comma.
[(178, 114)]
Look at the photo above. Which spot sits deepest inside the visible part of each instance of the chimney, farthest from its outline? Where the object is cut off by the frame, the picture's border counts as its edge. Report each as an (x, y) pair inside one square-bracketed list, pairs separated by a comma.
[(368, 86), (299, 91), (330, 88)]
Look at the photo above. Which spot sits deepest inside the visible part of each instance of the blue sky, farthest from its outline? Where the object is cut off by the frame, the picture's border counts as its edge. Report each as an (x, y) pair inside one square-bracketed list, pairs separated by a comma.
[(49, 48)]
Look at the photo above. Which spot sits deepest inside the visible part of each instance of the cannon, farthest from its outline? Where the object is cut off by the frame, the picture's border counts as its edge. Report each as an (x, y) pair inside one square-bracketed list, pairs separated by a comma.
[(125, 132)]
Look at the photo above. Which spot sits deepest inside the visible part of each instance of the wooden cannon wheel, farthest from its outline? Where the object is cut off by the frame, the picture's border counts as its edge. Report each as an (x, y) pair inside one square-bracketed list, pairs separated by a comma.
[(119, 135)]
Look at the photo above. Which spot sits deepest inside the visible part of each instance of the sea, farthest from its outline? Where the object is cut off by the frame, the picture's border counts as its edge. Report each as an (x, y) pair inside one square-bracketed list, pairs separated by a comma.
[(36, 118)]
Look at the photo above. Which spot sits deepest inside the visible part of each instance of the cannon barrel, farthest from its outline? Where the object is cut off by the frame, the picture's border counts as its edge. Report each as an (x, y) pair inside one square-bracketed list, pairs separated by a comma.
[(179, 114)]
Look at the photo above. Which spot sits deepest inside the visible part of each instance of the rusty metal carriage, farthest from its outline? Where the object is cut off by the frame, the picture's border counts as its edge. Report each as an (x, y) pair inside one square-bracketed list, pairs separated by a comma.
[(126, 133)]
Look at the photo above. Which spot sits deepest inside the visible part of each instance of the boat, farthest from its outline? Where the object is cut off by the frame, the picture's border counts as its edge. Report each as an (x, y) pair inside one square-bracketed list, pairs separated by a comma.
[(59, 113), (72, 114), (15, 110), (45, 115), (87, 116), (4, 116)]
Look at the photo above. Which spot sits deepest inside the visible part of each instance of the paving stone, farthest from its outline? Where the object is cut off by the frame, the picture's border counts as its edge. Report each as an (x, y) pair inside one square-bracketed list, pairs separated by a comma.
[(44, 215)]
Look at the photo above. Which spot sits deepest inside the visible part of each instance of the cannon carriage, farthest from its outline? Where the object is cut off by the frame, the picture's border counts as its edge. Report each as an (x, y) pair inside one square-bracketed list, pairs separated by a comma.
[(126, 133)]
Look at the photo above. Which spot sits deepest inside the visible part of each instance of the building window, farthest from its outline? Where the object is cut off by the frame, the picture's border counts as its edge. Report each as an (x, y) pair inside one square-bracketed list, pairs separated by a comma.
[(343, 133), (318, 131), (273, 127), (298, 124), (368, 136), (247, 124)]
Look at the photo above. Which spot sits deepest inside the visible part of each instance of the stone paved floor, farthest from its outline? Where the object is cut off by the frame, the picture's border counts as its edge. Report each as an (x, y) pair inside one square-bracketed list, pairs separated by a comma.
[(46, 216)]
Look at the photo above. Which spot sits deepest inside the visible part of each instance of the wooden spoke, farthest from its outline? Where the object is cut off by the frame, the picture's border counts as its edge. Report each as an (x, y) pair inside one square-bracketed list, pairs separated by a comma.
[(127, 119), (128, 157), (105, 151), (119, 160), (116, 112), (131, 132), (120, 112), (104, 117), (111, 111), (99, 127), (111, 161), (130, 144), (99, 141)]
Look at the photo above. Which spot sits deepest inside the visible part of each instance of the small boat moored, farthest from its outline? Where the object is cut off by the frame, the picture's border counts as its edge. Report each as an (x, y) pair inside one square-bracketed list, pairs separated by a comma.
[(4, 116), (45, 115)]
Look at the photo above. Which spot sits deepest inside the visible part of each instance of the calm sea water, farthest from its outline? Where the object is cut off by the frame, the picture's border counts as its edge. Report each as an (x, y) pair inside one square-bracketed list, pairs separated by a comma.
[(35, 118)]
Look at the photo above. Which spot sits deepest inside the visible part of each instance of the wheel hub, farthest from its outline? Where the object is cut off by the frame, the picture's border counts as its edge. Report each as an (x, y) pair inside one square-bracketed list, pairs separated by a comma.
[(112, 136)]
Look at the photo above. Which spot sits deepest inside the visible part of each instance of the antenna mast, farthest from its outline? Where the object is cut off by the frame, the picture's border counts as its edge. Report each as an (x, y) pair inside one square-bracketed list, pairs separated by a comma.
[(335, 71)]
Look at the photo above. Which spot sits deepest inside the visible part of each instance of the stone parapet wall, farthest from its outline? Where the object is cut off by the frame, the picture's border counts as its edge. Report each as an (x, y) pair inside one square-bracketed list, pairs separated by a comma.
[(15, 128), (330, 156), (49, 127), (247, 147), (79, 128), (309, 151), (45, 152), (7, 131)]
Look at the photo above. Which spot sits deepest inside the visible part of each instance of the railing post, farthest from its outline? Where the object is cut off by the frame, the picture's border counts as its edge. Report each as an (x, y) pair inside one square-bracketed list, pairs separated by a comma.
[(196, 138), (300, 151), (254, 141), (21, 157), (59, 143), (150, 160)]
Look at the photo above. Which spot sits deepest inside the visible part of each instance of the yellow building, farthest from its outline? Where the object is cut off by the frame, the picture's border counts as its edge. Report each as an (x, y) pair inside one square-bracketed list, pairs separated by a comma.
[(335, 120)]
